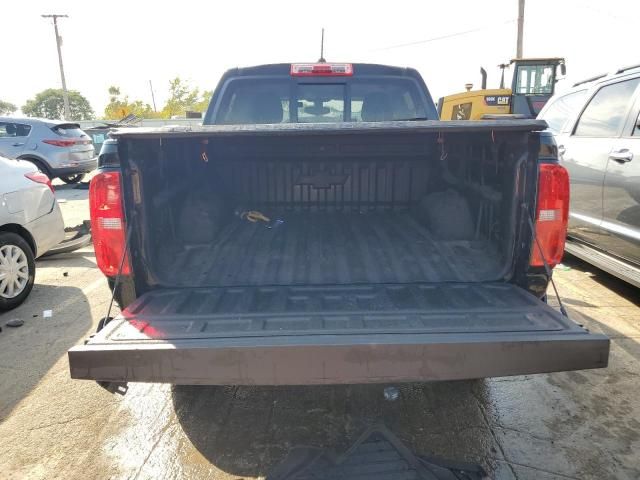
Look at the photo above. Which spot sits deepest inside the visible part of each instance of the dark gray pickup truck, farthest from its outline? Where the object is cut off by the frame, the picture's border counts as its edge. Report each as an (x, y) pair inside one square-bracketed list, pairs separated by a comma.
[(324, 227)]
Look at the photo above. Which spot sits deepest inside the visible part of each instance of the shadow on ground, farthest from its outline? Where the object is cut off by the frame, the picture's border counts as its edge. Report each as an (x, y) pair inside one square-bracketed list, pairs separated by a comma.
[(28, 352), (610, 282), (82, 258), (246, 431)]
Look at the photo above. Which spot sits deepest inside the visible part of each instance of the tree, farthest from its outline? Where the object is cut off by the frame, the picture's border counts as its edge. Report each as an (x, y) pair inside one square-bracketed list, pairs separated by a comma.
[(7, 108), (203, 104), (181, 98), (50, 104), (120, 107)]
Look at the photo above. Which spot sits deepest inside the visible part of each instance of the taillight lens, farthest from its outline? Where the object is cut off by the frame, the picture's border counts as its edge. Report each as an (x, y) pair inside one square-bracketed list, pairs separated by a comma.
[(321, 69), (60, 143), (107, 223), (40, 177), (552, 214)]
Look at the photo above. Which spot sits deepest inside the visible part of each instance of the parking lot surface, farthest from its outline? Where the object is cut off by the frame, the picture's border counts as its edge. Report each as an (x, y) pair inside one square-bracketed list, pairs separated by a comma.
[(582, 425)]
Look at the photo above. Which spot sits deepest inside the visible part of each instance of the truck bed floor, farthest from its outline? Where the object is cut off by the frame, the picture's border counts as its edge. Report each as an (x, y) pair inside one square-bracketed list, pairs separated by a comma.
[(316, 248)]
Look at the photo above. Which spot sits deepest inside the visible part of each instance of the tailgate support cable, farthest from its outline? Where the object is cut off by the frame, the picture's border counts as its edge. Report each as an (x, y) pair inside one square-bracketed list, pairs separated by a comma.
[(547, 268), (115, 387), (119, 274)]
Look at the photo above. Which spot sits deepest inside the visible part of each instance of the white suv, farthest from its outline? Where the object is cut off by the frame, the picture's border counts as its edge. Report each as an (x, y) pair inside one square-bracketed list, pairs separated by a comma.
[(596, 125), (59, 149)]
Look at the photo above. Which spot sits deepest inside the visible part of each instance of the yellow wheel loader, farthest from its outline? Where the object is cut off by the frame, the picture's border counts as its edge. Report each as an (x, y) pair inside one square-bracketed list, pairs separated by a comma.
[(533, 83)]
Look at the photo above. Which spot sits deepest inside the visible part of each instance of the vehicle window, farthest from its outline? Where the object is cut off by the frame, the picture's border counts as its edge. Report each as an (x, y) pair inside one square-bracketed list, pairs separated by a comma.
[(68, 130), (320, 103), (247, 101), (564, 107), (374, 101), (255, 101), (14, 130), (534, 79), (98, 138), (606, 110)]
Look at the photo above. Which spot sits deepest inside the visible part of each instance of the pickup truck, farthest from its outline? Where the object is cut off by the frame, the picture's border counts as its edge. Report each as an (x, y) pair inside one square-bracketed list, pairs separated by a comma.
[(324, 227)]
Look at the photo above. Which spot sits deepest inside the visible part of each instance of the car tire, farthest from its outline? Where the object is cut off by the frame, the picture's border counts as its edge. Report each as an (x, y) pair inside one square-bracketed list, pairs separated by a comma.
[(17, 264), (71, 179), (39, 165)]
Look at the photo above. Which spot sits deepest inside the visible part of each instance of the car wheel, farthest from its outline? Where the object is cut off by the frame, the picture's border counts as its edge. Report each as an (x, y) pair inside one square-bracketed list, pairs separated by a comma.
[(17, 270), (72, 178), (39, 165)]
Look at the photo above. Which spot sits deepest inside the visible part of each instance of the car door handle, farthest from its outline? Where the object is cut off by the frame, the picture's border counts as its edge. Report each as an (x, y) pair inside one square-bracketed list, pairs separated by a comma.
[(623, 155), (561, 150), (17, 144)]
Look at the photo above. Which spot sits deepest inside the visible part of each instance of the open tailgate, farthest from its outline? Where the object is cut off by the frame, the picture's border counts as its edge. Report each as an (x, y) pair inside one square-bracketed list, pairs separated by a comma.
[(284, 335)]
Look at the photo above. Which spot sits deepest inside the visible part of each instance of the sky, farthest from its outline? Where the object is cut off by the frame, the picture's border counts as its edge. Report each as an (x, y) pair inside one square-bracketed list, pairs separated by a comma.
[(128, 43)]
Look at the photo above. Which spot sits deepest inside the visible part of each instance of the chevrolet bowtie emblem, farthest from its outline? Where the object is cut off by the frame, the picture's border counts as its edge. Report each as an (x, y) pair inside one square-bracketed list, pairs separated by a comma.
[(322, 179)]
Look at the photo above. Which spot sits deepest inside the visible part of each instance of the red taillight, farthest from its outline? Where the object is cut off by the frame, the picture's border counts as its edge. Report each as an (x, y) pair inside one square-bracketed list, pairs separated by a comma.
[(321, 69), (39, 177), (60, 143), (552, 214), (107, 223)]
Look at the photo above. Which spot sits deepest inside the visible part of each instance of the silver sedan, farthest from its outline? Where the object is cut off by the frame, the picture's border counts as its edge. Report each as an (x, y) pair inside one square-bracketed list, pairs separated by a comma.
[(30, 224)]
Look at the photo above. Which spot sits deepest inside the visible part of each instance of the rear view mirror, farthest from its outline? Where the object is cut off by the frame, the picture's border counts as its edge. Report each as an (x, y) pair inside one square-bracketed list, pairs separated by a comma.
[(563, 69)]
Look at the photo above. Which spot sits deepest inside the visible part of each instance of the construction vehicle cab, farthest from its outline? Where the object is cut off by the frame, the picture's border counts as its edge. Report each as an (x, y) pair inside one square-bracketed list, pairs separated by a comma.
[(532, 85)]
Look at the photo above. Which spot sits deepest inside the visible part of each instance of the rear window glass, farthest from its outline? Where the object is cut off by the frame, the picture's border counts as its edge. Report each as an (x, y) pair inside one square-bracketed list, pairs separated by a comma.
[(69, 130), (320, 103), (247, 101), (564, 107), (375, 101), (250, 101)]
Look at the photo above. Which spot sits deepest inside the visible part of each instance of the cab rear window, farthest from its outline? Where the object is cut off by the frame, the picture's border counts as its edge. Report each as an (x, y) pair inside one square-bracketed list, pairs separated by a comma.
[(249, 101)]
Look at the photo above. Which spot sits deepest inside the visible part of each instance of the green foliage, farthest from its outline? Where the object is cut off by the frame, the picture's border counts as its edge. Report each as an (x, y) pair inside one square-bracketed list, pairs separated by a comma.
[(50, 104), (181, 98), (120, 107), (203, 104), (7, 108)]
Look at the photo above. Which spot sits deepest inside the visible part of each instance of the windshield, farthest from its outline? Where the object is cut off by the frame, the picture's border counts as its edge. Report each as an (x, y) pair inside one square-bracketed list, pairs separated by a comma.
[(248, 101)]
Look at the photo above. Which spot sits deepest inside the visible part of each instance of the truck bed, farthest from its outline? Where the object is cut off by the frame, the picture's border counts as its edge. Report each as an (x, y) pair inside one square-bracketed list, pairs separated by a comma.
[(316, 248), (393, 261)]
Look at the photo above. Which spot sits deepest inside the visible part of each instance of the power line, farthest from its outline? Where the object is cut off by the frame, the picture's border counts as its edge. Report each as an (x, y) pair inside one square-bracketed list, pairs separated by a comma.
[(443, 37)]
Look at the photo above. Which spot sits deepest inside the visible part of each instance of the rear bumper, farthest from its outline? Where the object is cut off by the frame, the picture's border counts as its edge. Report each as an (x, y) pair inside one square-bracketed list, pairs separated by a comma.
[(48, 230), (339, 359), (80, 167)]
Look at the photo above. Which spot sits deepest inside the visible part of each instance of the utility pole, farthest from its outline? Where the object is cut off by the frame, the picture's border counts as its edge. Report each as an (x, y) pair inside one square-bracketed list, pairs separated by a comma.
[(65, 93), (153, 97), (520, 28)]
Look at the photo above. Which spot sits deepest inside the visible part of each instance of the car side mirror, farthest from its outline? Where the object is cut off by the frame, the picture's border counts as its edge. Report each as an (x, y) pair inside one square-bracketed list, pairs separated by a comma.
[(563, 69)]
